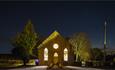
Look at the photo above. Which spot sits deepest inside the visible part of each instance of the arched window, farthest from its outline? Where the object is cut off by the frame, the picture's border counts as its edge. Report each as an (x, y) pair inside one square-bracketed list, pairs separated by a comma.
[(45, 54), (65, 54)]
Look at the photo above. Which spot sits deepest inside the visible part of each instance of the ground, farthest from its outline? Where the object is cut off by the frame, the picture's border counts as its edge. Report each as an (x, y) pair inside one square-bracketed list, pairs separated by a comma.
[(65, 68)]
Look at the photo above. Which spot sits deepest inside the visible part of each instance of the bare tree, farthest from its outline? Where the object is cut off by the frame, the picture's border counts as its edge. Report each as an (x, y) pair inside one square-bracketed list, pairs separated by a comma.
[(81, 46)]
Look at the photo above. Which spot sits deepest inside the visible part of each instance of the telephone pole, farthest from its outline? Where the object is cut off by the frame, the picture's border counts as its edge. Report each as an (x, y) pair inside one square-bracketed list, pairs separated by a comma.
[(105, 40)]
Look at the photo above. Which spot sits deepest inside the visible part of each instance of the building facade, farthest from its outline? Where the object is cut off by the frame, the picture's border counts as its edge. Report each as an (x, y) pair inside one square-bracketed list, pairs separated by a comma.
[(55, 50)]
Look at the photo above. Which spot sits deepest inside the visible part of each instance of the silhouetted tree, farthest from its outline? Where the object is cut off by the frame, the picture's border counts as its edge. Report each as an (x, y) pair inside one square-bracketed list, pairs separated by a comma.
[(25, 41), (98, 54), (21, 53), (81, 46)]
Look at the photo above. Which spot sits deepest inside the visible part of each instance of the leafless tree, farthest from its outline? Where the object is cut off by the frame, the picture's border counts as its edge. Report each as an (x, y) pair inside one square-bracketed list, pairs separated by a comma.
[(81, 46)]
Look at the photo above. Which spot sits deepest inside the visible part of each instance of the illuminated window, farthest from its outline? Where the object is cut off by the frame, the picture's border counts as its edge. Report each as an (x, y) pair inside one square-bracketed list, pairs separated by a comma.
[(45, 54), (65, 54), (55, 54), (55, 46)]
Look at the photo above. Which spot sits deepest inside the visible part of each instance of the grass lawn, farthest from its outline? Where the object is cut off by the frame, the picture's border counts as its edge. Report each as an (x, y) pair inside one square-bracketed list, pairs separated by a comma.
[(15, 64)]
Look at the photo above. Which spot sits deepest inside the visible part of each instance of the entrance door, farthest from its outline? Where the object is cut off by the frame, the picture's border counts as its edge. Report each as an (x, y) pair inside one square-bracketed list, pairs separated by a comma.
[(55, 60)]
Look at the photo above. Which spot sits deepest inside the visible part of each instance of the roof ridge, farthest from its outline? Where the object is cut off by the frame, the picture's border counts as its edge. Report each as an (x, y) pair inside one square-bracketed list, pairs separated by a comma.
[(54, 34), (51, 36)]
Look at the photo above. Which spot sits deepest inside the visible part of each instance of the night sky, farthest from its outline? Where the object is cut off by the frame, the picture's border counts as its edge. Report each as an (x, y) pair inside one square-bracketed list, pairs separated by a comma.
[(66, 17)]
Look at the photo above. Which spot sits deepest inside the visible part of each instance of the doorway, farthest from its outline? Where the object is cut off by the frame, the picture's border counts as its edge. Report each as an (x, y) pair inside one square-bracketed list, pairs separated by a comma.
[(55, 58)]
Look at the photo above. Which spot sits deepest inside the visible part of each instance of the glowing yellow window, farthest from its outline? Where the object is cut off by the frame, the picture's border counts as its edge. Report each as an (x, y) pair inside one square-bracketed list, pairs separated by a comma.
[(55, 54), (45, 54), (55, 46), (65, 54)]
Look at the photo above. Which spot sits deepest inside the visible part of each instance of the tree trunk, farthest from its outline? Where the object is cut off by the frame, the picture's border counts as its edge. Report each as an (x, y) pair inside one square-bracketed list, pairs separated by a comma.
[(24, 62), (76, 58)]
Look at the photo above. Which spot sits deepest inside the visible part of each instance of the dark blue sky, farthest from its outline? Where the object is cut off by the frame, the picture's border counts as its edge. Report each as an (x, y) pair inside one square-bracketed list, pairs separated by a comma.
[(66, 17)]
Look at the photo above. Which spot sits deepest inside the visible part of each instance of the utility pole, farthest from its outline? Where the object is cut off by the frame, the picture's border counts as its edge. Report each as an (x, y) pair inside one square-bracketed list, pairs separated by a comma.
[(105, 40)]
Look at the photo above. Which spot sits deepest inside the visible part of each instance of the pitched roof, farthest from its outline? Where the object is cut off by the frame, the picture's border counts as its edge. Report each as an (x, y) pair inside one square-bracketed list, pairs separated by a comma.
[(52, 36)]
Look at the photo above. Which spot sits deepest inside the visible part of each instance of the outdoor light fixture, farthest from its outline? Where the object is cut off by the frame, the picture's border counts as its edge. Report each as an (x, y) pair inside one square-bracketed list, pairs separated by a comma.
[(55, 46)]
